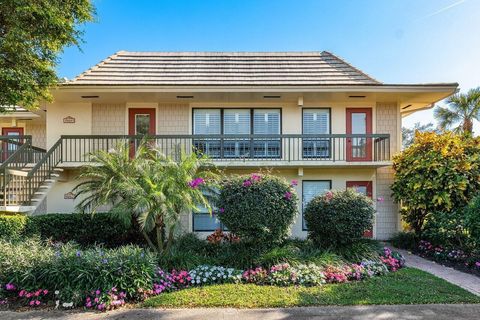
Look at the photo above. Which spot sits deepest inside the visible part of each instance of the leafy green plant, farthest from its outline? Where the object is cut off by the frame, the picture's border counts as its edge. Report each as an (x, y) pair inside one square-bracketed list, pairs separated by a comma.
[(360, 250), (437, 174), (12, 226), (32, 264), (338, 218), (472, 221), (153, 188), (259, 208), (405, 240), (277, 255), (101, 228)]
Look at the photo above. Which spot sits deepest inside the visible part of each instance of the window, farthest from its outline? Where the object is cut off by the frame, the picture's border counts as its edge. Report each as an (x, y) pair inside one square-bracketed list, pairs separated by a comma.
[(267, 122), (311, 189), (237, 122), (203, 221), (316, 121), (207, 122)]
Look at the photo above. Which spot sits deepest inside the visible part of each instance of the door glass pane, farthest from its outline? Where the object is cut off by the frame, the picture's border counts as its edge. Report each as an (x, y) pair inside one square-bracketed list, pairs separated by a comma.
[(310, 190), (316, 121), (359, 126), (142, 124)]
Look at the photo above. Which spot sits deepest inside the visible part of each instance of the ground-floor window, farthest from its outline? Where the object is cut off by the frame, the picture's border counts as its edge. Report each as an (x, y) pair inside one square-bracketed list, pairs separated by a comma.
[(311, 189), (205, 222)]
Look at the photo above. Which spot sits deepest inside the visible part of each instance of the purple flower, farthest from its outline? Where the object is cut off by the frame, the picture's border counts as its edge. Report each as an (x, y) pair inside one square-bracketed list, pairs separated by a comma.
[(195, 183), (288, 195), (79, 253), (477, 264), (97, 292), (222, 210), (247, 183), (10, 286), (104, 261), (101, 306), (294, 183)]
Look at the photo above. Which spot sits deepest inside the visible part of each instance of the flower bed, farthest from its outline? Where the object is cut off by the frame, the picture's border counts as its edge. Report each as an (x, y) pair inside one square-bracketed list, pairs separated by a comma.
[(161, 281), (452, 257)]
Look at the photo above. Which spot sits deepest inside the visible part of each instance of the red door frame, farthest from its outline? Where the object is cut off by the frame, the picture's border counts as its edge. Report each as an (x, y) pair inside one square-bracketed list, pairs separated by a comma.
[(5, 145), (368, 154), (369, 186), (131, 119), (131, 123)]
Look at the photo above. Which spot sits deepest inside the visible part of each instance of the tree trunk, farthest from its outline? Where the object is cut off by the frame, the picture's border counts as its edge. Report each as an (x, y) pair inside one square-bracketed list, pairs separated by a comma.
[(149, 241), (159, 226), (467, 126), (170, 237)]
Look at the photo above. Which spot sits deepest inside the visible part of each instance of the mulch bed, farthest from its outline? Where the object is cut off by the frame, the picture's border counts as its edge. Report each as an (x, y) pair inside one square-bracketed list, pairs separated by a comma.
[(460, 266)]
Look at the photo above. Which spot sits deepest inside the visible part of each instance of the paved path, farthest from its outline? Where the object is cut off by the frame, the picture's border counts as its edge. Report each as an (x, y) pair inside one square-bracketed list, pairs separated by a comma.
[(398, 312), (467, 281)]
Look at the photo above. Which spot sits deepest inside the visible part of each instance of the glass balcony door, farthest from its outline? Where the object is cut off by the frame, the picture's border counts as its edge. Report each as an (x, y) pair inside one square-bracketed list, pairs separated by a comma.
[(359, 121)]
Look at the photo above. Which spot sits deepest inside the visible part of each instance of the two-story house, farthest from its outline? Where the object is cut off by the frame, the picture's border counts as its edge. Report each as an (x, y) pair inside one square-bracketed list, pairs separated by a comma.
[(307, 116)]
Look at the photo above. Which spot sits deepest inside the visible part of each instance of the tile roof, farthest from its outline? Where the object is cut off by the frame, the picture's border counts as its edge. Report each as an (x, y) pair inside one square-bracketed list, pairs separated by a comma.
[(223, 69)]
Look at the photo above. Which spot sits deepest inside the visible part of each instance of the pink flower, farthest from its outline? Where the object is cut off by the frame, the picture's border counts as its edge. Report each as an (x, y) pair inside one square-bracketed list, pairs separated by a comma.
[(21, 293), (195, 183), (329, 195), (477, 264), (45, 292), (294, 183), (101, 306), (32, 303), (256, 177), (247, 183), (88, 305), (97, 292), (288, 195), (37, 302)]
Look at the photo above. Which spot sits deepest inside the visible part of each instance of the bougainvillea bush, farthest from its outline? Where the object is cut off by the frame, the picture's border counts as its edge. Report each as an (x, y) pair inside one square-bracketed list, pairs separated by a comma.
[(338, 218), (258, 208)]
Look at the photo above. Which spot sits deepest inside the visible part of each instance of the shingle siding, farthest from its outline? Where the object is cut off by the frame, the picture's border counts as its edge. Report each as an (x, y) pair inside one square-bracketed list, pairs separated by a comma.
[(387, 218), (223, 68), (108, 118), (173, 118)]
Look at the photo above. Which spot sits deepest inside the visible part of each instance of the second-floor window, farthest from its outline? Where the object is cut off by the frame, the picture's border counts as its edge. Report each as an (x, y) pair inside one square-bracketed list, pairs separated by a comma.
[(239, 123), (316, 122)]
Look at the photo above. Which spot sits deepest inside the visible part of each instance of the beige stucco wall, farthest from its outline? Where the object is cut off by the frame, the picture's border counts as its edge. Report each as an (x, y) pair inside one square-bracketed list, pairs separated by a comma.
[(388, 121), (81, 111)]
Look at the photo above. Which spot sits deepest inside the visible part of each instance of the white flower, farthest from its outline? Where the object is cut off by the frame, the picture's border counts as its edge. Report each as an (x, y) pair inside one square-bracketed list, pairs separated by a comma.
[(57, 292)]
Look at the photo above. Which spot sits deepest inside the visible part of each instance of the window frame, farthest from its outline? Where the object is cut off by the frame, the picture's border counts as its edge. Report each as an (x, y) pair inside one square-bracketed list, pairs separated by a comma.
[(303, 204), (220, 225), (222, 132), (329, 132)]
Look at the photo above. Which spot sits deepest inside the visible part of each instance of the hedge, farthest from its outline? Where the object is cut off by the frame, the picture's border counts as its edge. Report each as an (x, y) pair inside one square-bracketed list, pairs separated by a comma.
[(101, 228)]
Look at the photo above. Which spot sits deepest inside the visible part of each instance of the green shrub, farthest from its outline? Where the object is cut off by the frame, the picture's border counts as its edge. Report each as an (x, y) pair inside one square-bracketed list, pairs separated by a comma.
[(286, 254), (12, 226), (32, 264), (472, 220), (85, 229), (257, 208), (405, 240), (360, 250), (446, 228), (338, 218)]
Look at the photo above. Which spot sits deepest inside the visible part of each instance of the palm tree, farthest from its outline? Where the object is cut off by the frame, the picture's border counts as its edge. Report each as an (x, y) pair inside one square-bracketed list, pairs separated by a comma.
[(463, 109), (149, 187)]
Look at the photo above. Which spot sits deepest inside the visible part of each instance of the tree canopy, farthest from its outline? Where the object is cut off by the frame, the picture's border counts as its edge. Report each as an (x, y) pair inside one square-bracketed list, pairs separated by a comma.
[(32, 35)]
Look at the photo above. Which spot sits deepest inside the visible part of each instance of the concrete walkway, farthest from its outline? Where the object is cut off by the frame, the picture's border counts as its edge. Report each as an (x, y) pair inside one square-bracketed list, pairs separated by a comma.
[(467, 281), (398, 312)]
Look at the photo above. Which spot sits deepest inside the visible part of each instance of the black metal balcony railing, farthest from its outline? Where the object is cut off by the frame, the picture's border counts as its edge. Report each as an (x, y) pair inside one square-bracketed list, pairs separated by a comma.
[(285, 147)]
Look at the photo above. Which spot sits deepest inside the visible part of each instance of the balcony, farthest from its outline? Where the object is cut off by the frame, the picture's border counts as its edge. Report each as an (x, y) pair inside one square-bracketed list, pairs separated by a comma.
[(247, 150)]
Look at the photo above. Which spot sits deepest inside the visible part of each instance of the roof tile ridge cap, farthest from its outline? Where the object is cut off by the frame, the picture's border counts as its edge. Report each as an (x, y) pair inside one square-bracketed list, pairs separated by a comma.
[(96, 66), (353, 67)]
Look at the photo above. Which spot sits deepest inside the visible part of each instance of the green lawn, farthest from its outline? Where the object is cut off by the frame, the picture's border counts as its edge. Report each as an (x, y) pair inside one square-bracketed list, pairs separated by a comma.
[(407, 286)]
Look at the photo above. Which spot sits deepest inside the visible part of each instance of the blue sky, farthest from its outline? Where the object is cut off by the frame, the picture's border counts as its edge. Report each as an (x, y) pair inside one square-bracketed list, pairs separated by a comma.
[(395, 41)]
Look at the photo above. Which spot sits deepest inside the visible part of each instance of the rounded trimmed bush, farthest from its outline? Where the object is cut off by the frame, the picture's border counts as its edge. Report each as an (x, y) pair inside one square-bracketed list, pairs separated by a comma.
[(338, 218), (258, 208)]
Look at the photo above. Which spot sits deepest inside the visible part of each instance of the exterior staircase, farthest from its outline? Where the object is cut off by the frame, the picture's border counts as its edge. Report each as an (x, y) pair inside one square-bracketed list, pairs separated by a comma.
[(27, 175)]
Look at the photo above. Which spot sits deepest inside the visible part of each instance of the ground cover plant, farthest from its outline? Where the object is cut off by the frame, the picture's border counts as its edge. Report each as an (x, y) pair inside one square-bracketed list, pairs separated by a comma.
[(406, 286)]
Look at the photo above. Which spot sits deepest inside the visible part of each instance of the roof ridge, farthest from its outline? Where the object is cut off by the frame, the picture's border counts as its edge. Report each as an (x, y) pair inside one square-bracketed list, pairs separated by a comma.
[(350, 65)]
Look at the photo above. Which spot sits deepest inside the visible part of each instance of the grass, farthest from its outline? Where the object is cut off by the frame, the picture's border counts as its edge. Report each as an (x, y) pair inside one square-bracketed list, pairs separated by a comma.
[(407, 286)]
